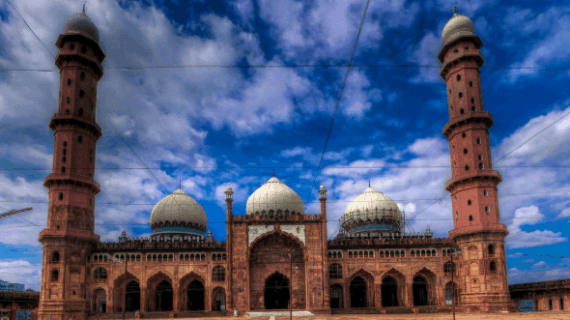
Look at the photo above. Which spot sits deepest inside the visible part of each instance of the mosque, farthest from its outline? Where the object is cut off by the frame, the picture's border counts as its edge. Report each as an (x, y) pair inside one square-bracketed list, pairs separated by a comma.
[(276, 255)]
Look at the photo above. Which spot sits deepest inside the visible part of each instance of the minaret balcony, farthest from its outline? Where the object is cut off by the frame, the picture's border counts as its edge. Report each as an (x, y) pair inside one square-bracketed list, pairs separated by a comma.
[(58, 176), (80, 120), (456, 121), (491, 174)]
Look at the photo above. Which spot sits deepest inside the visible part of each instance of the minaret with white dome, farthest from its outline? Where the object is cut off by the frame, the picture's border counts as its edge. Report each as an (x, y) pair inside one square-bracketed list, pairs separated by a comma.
[(477, 230)]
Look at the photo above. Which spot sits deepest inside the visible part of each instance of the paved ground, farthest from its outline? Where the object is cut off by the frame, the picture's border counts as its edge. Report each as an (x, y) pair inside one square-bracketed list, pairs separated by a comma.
[(439, 316)]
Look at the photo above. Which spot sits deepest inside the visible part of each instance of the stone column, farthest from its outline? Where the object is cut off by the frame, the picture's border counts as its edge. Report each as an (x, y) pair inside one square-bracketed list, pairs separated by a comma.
[(143, 307), (175, 306)]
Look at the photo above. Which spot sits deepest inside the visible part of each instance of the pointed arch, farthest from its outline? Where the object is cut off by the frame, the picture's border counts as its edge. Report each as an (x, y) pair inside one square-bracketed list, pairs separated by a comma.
[(184, 283), (361, 289), (154, 284), (218, 299), (393, 288), (423, 287)]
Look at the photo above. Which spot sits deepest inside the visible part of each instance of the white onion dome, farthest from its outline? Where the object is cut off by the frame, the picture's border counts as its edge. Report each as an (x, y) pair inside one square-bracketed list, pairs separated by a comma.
[(178, 213), (372, 210), (81, 24), (274, 197), (458, 25)]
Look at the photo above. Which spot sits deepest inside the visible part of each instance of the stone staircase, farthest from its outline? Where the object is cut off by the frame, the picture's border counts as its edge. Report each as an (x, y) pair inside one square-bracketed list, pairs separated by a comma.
[(278, 313)]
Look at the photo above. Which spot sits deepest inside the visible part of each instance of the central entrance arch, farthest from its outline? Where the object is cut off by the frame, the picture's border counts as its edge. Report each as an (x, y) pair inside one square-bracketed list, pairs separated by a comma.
[(358, 293), (268, 257), (276, 292)]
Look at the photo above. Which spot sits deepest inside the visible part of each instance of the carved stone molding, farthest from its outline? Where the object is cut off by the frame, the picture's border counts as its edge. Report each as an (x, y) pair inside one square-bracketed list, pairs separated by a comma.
[(254, 232), (297, 231)]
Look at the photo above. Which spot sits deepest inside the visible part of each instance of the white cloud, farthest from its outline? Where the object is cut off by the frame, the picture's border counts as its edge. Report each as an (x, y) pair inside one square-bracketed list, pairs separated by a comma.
[(426, 55), (539, 264), (548, 52), (21, 271), (522, 239)]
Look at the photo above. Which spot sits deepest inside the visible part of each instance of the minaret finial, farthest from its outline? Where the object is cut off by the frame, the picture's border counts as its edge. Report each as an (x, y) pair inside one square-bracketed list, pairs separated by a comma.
[(274, 172), (84, 6), (179, 184), (368, 183), (454, 9)]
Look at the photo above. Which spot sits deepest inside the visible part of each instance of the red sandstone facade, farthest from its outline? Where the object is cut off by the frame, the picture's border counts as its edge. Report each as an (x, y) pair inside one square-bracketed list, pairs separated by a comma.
[(268, 257)]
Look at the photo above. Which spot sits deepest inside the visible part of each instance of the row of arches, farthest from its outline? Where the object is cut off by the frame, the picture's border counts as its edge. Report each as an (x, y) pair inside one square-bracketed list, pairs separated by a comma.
[(218, 273), (423, 253), (160, 297), (361, 254), (391, 295)]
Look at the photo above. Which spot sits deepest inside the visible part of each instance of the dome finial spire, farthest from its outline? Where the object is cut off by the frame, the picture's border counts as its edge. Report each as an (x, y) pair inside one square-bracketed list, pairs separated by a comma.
[(274, 172), (368, 183), (84, 6), (454, 9), (179, 184)]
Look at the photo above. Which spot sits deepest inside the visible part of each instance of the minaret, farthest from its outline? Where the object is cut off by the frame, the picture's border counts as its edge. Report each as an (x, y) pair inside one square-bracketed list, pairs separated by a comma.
[(229, 293), (69, 236), (323, 200), (477, 230)]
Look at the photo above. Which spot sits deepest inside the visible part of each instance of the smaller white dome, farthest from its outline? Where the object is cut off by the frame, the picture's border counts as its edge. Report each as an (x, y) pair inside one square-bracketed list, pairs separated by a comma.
[(274, 195), (372, 205), (179, 207), (458, 25)]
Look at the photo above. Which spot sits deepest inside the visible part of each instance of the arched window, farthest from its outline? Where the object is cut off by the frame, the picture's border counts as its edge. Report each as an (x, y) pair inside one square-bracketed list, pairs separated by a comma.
[(218, 274), (54, 275), (448, 267), (100, 273), (493, 266), (55, 257), (491, 250), (335, 271)]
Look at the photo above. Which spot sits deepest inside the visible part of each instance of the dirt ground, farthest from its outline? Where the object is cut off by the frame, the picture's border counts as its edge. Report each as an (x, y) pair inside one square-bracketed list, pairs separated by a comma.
[(550, 315)]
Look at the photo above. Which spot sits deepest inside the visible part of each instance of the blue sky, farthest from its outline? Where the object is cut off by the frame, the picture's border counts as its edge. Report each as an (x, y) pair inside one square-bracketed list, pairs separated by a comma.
[(212, 126)]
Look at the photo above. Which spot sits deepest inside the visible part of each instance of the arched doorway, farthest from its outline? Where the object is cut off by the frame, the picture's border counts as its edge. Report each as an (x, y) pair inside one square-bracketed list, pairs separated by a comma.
[(336, 296), (270, 254), (99, 301), (448, 296), (420, 291), (195, 295), (133, 297), (164, 296), (219, 300), (358, 293), (276, 292), (389, 292)]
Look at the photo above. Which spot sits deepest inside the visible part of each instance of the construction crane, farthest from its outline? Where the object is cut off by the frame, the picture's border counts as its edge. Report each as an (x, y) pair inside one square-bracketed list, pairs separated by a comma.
[(13, 212)]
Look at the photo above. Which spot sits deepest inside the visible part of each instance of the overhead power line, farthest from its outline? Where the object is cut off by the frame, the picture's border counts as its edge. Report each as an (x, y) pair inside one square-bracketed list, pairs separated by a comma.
[(339, 98), (387, 66), (13, 212), (345, 167)]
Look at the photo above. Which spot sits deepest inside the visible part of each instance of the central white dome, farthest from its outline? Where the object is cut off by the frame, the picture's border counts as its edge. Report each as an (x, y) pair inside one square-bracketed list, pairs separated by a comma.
[(274, 196), (178, 213), (372, 210)]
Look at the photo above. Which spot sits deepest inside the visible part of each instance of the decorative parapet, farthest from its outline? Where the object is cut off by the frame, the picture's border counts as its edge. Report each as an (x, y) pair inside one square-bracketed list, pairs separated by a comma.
[(277, 218), (542, 285), (398, 242), (139, 244)]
